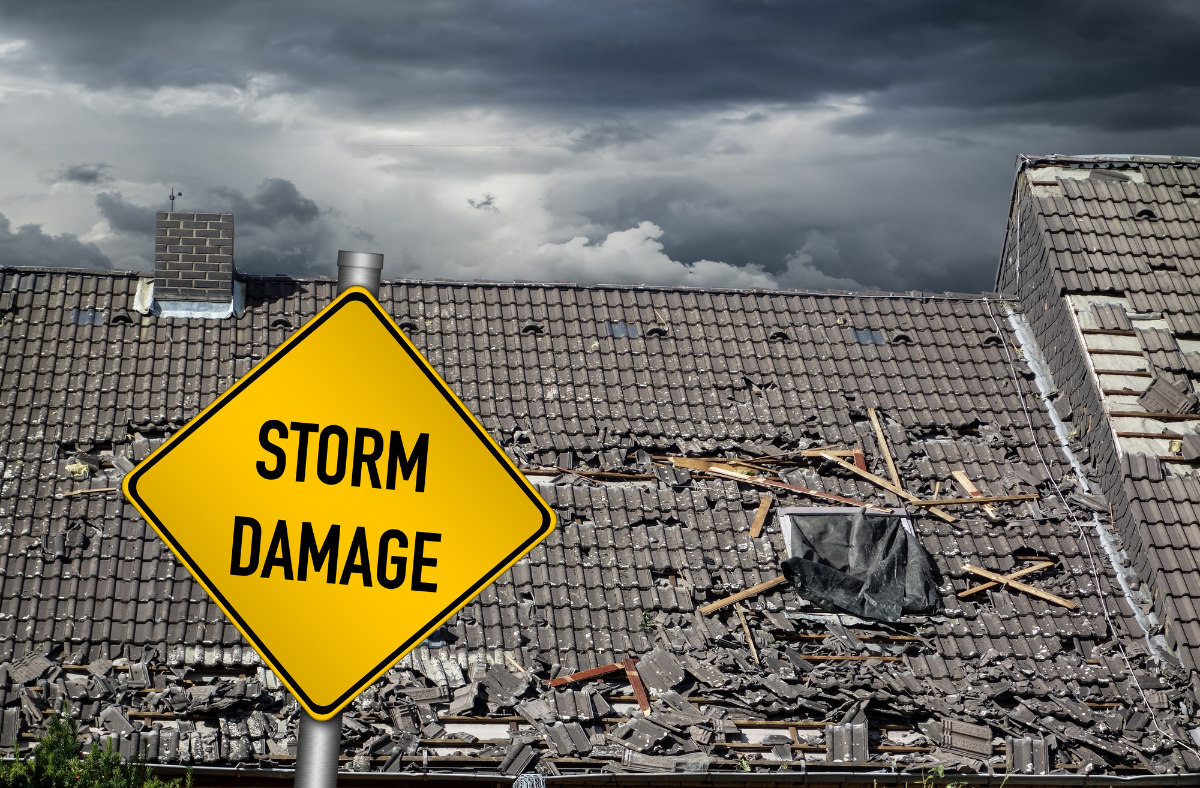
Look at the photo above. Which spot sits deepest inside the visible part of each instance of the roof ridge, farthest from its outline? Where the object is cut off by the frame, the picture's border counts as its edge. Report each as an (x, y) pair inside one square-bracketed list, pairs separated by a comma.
[(251, 277)]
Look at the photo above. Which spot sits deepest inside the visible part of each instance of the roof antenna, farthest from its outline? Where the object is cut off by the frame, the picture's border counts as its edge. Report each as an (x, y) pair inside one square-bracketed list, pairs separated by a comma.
[(174, 194)]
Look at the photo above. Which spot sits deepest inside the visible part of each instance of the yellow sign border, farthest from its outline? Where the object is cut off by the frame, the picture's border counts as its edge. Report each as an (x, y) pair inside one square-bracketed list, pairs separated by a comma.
[(350, 295)]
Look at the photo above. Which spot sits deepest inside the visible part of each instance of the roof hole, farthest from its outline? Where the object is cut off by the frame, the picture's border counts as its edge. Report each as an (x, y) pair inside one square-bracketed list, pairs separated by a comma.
[(783, 335)]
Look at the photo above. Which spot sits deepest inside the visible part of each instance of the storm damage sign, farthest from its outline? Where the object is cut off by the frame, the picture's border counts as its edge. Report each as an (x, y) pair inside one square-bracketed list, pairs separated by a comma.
[(339, 503)]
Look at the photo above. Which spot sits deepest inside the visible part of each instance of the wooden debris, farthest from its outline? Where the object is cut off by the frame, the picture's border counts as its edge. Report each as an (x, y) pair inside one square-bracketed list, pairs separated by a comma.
[(744, 594), (860, 459), (1010, 576), (635, 682), (883, 448), (969, 487), (746, 628), (976, 500), (584, 675), (760, 517), (761, 482), (885, 484), (94, 489), (1001, 579)]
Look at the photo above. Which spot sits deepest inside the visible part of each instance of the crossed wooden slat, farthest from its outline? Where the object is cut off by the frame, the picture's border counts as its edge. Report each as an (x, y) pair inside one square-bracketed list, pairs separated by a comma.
[(1010, 581)]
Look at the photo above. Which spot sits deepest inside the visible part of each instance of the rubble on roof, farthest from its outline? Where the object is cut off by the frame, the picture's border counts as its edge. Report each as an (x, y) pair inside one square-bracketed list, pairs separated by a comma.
[(746, 391)]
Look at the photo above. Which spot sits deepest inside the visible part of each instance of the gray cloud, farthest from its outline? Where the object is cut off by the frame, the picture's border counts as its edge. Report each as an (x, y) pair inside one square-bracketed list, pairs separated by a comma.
[(30, 245), (278, 229), (125, 217), (796, 143), (85, 174)]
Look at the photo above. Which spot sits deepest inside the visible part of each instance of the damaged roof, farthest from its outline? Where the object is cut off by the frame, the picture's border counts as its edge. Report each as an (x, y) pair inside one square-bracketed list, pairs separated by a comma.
[(670, 428), (1105, 255)]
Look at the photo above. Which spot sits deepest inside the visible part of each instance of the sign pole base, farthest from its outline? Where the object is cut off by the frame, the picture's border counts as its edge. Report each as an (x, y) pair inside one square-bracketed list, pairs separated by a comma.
[(318, 749)]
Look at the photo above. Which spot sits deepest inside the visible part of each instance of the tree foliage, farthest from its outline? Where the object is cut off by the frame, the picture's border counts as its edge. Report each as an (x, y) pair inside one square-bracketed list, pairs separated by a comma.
[(57, 762)]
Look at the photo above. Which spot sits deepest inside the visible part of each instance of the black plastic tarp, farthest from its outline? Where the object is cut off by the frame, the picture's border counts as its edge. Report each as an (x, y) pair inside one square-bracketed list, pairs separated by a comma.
[(861, 563)]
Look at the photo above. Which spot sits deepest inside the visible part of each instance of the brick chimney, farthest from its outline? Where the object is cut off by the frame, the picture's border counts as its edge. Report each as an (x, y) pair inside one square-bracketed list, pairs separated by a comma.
[(193, 257)]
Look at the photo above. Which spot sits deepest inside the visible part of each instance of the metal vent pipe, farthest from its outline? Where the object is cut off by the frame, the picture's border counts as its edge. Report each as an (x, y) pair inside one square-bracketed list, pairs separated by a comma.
[(361, 269)]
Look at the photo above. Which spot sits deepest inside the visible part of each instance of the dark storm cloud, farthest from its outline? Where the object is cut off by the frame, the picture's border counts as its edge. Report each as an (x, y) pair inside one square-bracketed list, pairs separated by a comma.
[(125, 217), (1110, 64), (85, 174), (275, 200), (29, 245), (909, 194), (277, 229)]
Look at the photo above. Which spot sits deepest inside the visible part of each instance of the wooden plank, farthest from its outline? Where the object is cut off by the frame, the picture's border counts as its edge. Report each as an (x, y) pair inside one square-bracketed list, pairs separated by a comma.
[(1137, 414), (93, 490), (1164, 435), (1133, 373), (883, 447), (744, 594), (760, 517), (746, 628), (1099, 351), (635, 682), (772, 484), (885, 484), (982, 499), (1039, 593), (860, 460), (1109, 332), (965, 482), (1010, 576), (584, 675)]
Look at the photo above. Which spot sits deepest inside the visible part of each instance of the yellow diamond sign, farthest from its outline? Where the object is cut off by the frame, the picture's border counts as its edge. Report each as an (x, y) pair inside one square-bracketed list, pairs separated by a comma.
[(339, 503)]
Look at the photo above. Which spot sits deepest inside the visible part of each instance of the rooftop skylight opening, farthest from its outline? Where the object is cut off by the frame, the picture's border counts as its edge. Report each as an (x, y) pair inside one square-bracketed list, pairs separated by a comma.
[(868, 336), (615, 329), (87, 317)]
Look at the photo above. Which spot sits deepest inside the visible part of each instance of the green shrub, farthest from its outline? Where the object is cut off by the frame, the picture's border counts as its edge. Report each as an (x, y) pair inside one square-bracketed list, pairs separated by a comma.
[(56, 763)]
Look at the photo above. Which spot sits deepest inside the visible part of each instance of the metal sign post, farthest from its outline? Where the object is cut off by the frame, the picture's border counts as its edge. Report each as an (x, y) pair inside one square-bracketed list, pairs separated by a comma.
[(319, 742)]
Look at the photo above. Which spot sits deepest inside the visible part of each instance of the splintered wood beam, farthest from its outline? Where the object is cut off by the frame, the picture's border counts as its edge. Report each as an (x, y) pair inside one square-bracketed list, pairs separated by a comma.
[(883, 447), (746, 628), (1037, 592), (983, 499), (1010, 576), (965, 482), (885, 484), (772, 484), (635, 682), (740, 595), (584, 675), (760, 517)]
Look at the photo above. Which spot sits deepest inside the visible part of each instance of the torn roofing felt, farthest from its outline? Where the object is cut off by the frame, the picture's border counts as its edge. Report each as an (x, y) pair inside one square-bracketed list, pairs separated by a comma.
[(861, 563)]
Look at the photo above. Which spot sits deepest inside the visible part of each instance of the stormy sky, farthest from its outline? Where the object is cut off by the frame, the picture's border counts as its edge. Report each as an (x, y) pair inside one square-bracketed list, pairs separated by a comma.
[(778, 144)]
